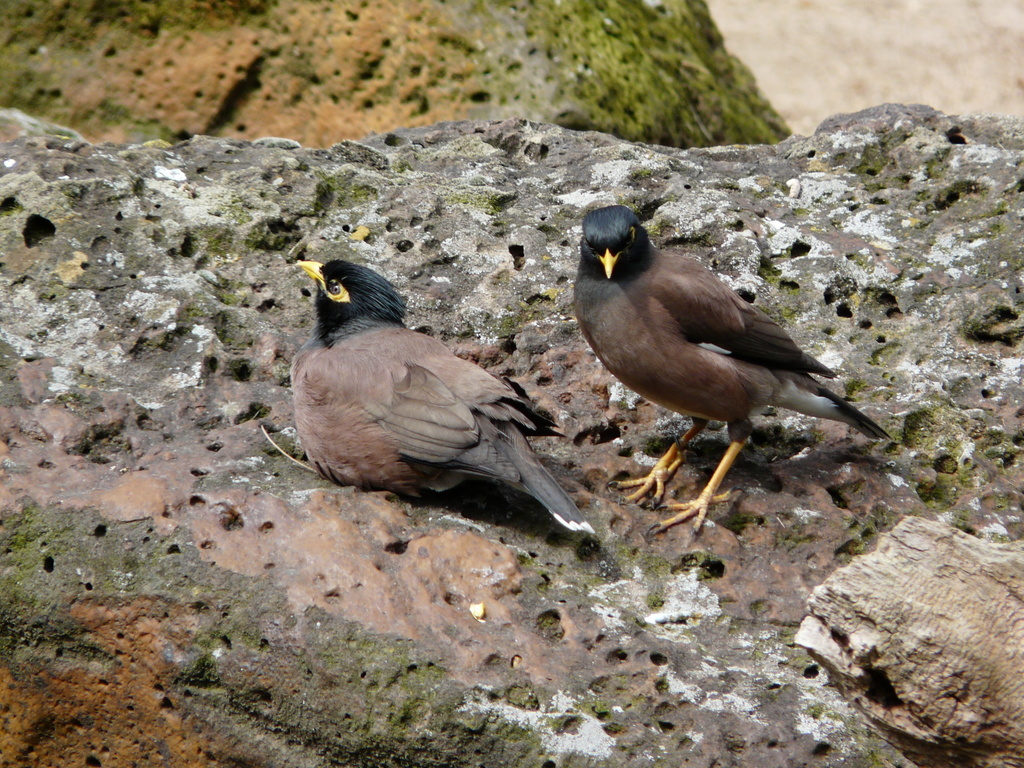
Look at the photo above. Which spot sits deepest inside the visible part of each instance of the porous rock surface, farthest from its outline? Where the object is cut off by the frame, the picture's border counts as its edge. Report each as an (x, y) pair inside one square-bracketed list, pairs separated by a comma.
[(173, 589)]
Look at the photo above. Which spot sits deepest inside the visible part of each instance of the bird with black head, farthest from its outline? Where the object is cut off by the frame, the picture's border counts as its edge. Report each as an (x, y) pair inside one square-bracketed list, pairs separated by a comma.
[(380, 406), (672, 331)]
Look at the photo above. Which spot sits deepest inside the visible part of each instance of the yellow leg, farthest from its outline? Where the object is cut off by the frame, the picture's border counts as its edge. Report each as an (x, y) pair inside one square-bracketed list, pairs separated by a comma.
[(663, 471), (699, 507)]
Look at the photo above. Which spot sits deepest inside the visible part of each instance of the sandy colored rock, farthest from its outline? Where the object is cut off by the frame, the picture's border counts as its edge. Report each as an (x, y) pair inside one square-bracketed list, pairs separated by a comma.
[(815, 58), (924, 635)]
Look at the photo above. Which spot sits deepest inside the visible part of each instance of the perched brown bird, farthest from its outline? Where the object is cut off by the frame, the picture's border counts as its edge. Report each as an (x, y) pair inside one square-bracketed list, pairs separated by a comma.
[(669, 329), (380, 406)]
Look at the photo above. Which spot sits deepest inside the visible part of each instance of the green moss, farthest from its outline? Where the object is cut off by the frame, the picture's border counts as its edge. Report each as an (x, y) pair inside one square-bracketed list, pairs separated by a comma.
[(10, 206), (759, 607), (848, 549), (872, 161), (708, 566), (694, 92), (934, 427), (1001, 208), (655, 567), (201, 673), (854, 386), (816, 710), (952, 194), (655, 601), (523, 697), (997, 446), (960, 520), (491, 202), (657, 444), (340, 191), (769, 272), (737, 521), (997, 323), (940, 493), (238, 210), (884, 352), (53, 291), (405, 707), (510, 324)]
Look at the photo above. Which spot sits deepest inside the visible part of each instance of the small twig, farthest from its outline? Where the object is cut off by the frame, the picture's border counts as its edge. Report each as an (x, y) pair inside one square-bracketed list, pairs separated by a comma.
[(284, 453)]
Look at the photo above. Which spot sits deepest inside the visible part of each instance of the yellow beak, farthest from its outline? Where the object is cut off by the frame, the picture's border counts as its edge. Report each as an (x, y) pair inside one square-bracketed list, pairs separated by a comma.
[(608, 259), (335, 292), (314, 269)]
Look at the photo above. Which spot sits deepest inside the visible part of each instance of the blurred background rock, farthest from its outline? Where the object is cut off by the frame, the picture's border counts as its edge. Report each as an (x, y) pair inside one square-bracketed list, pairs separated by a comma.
[(321, 71), (657, 71), (815, 58)]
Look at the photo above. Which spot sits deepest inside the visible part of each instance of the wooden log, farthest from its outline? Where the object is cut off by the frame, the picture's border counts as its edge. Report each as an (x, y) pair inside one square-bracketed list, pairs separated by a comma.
[(925, 636)]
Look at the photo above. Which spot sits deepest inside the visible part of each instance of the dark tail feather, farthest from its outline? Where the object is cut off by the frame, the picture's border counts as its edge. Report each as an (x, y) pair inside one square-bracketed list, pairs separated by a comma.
[(854, 417), (539, 483)]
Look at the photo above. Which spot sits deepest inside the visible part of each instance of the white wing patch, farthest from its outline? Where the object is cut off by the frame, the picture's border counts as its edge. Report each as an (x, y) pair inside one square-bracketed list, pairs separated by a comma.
[(714, 348), (802, 401)]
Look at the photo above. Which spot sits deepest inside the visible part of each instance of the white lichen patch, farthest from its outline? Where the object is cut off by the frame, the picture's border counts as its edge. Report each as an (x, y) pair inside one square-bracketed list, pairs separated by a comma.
[(953, 255), (873, 226), (190, 377), (850, 140), (701, 211), (743, 282), (687, 692), (995, 532), (982, 156), (823, 188), (192, 374), (203, 335), (586, 738), (805, 515), (622, 396), (483, 261), (584, 198), (170, 174), (781, 238), (152, 308), (832, 358), (687, 602), (732, 703), (897, 481), (616, 173), (66, 330), (824, 714)]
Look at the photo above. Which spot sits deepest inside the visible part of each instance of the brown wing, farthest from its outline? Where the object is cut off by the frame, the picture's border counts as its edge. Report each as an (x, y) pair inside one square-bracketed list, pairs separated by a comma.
[(427, 401), (707, 311), (430, 424)]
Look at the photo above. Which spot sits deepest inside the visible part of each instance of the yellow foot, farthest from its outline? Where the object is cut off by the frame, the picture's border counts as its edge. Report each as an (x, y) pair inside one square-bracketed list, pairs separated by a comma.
[(697, 508), (660, 474)]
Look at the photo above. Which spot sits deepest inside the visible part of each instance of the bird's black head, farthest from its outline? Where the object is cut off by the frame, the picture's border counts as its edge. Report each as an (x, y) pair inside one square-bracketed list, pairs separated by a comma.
[(351, 298), (614, 243)]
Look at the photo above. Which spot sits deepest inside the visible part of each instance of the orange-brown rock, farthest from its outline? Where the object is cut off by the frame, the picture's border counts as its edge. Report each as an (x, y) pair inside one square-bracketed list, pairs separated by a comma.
[(319, 72)]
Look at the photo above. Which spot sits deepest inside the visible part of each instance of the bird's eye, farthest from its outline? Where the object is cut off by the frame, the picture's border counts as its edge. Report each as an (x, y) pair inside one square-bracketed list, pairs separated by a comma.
[(334, 287), (632, 236)]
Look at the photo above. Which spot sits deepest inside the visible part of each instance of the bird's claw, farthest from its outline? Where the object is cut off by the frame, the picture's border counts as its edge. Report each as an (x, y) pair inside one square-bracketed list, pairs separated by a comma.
[(660, 473), (685, 511), (643, 485)]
